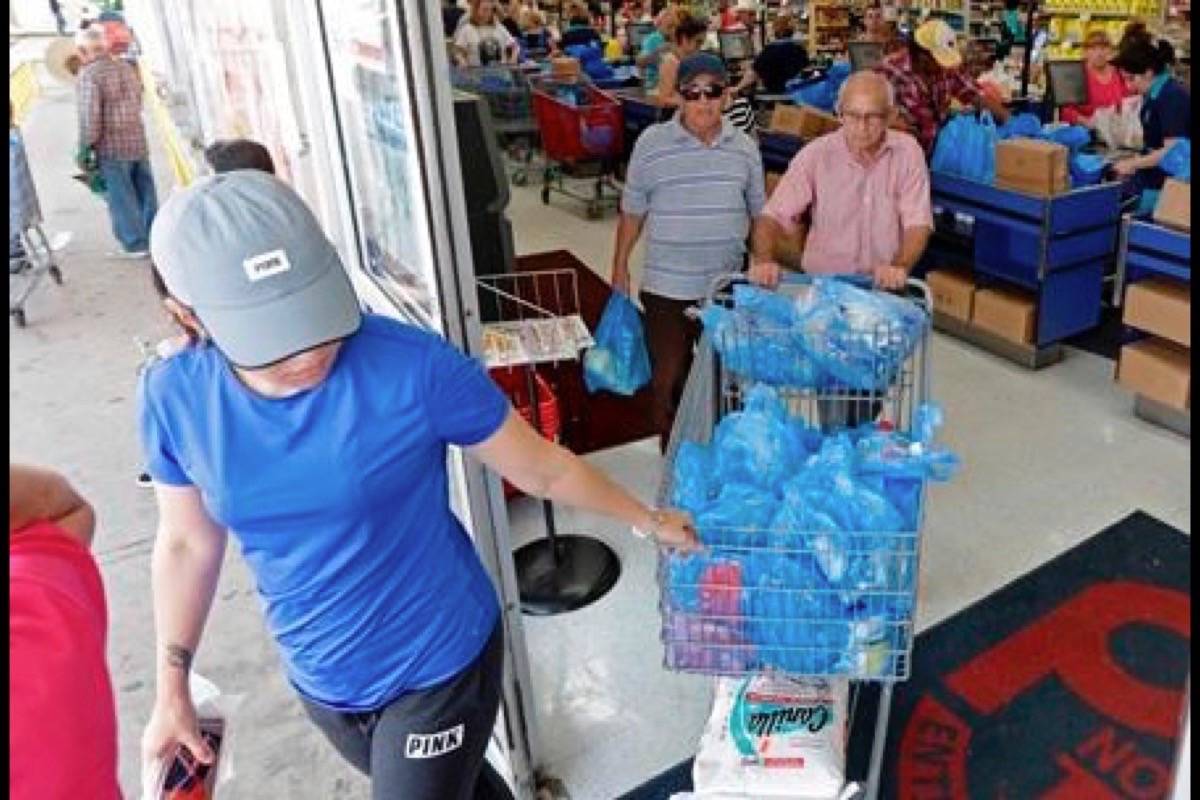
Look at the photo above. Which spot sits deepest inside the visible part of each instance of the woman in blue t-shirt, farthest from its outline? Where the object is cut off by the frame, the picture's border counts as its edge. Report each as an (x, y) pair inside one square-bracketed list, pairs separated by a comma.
[(318, 437), (1166, 112)]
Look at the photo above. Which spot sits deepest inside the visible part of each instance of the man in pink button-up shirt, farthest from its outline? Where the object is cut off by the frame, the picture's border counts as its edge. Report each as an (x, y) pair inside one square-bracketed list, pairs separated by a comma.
[(866, 188)]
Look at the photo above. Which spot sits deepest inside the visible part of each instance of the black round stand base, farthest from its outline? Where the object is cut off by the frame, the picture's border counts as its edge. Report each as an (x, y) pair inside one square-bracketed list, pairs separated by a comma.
[(584, 571)]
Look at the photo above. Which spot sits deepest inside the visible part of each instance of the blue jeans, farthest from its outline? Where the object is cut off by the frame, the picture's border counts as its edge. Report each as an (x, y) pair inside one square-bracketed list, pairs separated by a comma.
[(132, 202)]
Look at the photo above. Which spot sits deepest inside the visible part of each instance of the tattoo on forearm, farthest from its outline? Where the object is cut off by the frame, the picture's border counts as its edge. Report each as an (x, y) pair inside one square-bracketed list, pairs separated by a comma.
[(179, 656)]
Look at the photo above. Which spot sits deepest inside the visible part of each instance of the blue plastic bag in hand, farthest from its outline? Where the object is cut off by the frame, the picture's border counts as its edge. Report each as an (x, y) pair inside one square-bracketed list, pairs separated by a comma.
[(619, 362), (1177, 162), (966, 146)]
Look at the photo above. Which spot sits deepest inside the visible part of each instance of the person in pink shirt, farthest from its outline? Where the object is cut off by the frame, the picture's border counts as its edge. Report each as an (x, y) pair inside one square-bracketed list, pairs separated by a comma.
[(1105, 86), (865, 189), (62, 718)]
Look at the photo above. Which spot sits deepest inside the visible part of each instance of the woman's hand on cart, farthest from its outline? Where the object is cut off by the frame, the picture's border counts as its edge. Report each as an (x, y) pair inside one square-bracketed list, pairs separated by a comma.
[(673, 529), (889, 276)]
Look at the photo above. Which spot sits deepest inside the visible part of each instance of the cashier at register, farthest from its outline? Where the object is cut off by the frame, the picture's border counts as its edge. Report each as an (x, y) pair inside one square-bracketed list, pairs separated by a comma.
[(926, 75), (866, 188), (1166, 112)]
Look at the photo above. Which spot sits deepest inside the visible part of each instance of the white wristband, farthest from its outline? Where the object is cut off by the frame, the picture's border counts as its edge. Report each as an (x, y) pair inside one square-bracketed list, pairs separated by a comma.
[(656, 518)]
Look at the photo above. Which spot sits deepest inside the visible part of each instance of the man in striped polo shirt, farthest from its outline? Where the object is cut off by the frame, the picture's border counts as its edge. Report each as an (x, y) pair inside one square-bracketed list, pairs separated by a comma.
[(695, 184)]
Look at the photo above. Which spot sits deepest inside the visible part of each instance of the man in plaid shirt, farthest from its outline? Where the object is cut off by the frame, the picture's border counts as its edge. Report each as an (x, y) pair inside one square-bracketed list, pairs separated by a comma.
[(926, 75), (110, 120)]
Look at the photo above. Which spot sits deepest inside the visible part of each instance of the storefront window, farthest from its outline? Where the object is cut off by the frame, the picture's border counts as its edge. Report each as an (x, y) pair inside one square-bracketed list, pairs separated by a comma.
[(383, 162), (245, 91)]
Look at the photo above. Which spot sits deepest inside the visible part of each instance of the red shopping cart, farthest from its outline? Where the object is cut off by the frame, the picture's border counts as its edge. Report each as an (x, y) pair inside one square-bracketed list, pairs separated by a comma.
[(582, 132)]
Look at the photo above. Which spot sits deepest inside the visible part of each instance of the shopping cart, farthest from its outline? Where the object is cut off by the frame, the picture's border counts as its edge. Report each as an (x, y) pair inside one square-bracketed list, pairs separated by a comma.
[(30, 253), (582, 131), (507, 91), (759, 600)]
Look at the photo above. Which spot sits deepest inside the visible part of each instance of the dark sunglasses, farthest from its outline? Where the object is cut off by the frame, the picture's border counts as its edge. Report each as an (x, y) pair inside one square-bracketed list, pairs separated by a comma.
[(693, 93)]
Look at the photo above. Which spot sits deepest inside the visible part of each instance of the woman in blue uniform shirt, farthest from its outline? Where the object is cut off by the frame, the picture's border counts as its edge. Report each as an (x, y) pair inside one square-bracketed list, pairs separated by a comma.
[(317, 436), (1166, 112)]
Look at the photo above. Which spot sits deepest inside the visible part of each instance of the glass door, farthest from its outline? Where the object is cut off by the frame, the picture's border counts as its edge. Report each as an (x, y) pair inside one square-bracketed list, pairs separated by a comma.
[(391, 108), (383, 164)]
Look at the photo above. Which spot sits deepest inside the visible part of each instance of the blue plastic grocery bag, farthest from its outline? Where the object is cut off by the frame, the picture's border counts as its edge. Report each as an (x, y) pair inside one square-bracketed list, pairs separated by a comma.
[(1073, 137), (966, 146), (1024, 125), (1177, 162), (1087, 169), (619, 362), (823, 93)]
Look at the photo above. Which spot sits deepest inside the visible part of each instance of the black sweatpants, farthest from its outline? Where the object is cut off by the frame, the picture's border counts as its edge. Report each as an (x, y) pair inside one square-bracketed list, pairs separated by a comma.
[(428, 744)]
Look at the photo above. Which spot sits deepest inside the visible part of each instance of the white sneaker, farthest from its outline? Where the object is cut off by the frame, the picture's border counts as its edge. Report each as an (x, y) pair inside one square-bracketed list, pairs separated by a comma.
[(131, 255)]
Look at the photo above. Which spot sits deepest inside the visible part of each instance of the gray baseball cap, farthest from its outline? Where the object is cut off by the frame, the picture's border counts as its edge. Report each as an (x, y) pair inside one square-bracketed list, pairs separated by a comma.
[(245, 253)]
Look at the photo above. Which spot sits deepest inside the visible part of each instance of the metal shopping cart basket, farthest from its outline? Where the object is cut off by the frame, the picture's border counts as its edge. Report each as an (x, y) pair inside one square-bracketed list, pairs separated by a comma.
[(508, 93), (582, 130), (765, 599)]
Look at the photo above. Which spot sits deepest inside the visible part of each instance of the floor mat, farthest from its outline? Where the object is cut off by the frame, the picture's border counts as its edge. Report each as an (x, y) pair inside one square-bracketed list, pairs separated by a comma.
[(1066, 684)]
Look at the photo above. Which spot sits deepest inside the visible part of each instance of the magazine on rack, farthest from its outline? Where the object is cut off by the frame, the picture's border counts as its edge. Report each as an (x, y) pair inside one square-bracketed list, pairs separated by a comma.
[(534, 341)]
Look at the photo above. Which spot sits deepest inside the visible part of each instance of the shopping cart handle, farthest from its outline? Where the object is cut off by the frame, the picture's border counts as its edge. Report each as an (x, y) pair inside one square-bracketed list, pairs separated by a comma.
[(790, 278)]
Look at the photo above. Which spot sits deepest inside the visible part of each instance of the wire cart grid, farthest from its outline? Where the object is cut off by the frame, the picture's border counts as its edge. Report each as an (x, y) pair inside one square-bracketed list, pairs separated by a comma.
[(786, 598)]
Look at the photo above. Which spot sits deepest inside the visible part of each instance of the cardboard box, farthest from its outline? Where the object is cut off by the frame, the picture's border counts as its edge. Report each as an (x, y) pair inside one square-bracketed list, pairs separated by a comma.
[(565, 68), (1160, 306), (1175, 205), (772, 180), (1157, 369), (1008, 313), (953, 293), (803, 121), (1032, 166)]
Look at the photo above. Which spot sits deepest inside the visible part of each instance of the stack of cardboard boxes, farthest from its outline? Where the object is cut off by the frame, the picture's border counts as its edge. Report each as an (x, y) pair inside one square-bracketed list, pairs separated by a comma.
[(1159, 366), (1002, 311), (1033, 166), (804, 121), (1174, 207)]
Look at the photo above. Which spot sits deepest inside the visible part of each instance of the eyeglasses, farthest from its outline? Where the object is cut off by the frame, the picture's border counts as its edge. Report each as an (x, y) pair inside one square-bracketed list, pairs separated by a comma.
[(873, 118), (711, 91)]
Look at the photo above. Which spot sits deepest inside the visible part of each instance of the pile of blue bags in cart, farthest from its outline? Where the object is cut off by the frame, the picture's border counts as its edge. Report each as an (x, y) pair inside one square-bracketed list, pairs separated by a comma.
[(966, 146), (809, 564), (831, 334)]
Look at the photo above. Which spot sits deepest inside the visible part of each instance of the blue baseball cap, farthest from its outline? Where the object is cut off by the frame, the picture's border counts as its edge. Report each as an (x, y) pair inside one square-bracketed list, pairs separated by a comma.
[(699, 64)]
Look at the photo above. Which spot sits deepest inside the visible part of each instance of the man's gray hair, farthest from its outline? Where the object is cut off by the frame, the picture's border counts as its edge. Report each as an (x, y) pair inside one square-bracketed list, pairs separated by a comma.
[(862, 77)]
